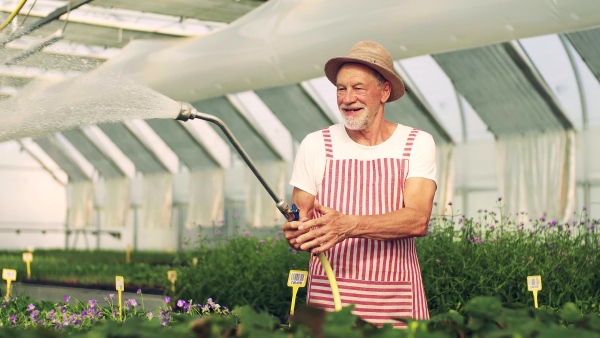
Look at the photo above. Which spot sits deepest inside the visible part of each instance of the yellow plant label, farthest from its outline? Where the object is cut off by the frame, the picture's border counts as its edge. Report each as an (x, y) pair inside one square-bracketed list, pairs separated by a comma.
[(27, 257), (9, 275), (30, 248), (172, 275), (120, 283), (195, 261), (297, 278), (534, 283)]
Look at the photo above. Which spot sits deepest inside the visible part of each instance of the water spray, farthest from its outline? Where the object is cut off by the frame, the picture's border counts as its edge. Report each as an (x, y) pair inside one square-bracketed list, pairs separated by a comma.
[(187, 112)]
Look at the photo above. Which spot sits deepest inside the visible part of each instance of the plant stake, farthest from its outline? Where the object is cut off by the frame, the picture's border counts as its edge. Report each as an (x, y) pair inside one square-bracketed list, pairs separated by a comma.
[(9, 275), (128, 253), (172, 275), (534, 284), (296, 279), (28, 258), (120, 286)]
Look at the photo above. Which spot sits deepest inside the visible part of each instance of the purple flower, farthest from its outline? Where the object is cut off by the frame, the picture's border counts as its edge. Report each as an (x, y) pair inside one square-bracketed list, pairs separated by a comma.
[(67, 298), (584, 208), (543, 219), (261, 241), (167, 299), (139, 291), (34, 315), (30, 307), (181, 303), (450, 203), (111, 296), (149, 315), (92, 303), (499, 199), (294, 251), (133, 302), (13, 319), (246, 233)]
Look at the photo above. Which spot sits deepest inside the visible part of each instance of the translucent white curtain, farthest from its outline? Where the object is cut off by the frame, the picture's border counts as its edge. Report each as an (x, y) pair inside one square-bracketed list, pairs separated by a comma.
[(157, 200), (116, 201), (205, 198), (536, 173), (445, 177), (260, 207), (80, 197)]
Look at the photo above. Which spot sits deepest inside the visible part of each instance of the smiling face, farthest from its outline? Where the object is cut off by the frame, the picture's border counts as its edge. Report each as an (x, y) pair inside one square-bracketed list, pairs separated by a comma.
[(360, 95)]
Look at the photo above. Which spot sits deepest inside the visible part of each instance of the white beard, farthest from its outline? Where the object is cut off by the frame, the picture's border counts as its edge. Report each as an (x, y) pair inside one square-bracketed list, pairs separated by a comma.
[(358, 122)]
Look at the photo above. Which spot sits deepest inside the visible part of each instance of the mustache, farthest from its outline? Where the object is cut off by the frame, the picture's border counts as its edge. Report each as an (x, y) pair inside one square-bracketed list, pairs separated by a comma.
[(343, 106)]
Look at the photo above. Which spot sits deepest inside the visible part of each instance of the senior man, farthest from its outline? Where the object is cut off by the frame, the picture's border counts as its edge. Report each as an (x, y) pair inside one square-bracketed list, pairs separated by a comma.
[(365, 189)]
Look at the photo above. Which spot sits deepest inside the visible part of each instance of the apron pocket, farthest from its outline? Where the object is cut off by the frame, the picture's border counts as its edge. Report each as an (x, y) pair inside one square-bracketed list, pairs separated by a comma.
[(374, 301)]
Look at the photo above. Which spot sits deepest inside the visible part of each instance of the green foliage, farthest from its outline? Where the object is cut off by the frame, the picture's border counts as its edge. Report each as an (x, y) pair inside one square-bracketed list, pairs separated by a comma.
[(241, 270), (493, 255), (484, 317), (92, 268)]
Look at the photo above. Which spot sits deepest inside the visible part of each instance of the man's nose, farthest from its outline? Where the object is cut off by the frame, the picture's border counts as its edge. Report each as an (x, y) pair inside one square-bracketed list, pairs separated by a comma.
[(349, 96)]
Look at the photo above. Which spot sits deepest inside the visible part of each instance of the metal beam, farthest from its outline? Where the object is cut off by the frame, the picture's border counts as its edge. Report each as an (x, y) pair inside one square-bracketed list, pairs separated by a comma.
[(66, 48), (523, 62), (48, 41), (35, 72), (42, 22), (28, 145), (243, 112), (421, 103)]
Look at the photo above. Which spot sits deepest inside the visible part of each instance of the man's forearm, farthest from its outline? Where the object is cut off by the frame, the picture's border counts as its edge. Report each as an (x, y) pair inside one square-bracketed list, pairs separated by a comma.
[(402, 223)]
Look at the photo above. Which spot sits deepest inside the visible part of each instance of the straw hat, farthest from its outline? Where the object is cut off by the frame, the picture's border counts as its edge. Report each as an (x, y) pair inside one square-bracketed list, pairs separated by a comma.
[(371, 54)]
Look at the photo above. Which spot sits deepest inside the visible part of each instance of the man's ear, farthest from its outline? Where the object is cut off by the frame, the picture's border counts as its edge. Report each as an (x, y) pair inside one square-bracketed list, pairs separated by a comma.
[(386, 91)]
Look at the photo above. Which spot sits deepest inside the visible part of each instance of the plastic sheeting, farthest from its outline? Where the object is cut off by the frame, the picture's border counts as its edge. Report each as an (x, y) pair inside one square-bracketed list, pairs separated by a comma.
[(80, 197), (536, 173), (206, 201), (288, 41), (157, 200), (116, 202), (444, 162), (260, 207)]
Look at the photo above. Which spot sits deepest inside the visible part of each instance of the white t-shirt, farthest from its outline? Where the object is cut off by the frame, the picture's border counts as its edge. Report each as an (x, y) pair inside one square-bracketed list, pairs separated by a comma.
[(309, 166)]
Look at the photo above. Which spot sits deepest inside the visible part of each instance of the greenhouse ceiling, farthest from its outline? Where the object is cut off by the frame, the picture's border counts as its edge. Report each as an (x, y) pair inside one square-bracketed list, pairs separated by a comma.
[(544, 79)]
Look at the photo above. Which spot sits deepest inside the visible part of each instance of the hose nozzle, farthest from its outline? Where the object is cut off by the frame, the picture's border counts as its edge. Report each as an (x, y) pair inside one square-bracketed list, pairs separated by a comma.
[(186, 112), (290, 213)]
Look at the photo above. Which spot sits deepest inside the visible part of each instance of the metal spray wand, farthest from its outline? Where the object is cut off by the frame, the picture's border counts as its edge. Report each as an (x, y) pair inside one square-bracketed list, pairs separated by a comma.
[(292, 213)]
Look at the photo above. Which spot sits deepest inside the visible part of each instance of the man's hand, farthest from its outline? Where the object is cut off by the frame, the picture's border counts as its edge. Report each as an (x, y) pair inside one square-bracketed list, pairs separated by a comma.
[(320, 234), (291, 232)]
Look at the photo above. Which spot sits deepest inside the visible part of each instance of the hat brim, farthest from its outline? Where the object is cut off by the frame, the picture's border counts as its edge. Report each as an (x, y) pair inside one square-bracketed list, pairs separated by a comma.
[(333, 66)]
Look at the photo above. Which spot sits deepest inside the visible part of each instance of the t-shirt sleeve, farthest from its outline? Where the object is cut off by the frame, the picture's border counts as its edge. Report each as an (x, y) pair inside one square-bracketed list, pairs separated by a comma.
[(422, 157), (303, 174)]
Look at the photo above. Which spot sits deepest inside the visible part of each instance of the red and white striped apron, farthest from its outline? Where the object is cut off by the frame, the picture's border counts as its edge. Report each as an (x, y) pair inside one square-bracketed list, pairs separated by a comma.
[(381, 278)]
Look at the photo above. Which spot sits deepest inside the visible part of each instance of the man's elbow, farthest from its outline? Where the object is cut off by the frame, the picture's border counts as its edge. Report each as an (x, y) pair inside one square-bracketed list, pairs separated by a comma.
[(422, 226)]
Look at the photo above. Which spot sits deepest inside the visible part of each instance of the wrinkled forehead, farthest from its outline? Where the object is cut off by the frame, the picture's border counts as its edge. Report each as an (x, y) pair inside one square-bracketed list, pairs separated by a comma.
[(356, 70)]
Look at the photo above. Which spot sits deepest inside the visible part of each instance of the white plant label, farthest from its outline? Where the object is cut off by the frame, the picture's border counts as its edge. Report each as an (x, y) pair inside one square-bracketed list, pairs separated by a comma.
[(120, 283), (27, 257), (297, 278), (534, 283), (9, 274)]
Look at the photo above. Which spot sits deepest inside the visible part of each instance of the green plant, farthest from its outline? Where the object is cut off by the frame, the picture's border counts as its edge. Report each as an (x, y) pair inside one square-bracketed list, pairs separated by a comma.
[(241, 270)]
